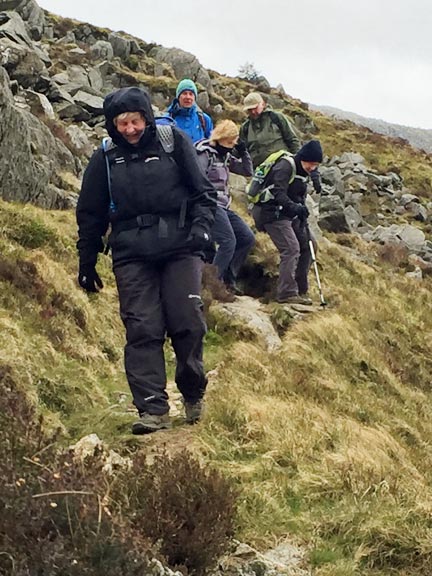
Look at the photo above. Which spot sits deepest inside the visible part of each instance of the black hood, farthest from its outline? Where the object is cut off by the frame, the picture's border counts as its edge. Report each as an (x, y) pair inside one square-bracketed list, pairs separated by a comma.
[(131, 99)]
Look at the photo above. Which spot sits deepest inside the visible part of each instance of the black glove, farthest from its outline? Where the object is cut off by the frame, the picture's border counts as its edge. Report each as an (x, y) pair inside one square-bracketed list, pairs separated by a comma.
[(301, 212), (317, 186), (240, 147), (89, 279), (199, 238)]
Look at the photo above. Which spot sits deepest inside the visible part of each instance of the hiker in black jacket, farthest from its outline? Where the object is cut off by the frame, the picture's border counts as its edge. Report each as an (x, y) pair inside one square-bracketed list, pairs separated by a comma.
[(284, 218), (161, 208)]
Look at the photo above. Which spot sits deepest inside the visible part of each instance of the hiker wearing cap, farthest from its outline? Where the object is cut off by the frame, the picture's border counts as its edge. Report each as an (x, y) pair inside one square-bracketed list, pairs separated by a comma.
[(266, 131), (284, 218), (160, 206), (186, 113), (219, 155)]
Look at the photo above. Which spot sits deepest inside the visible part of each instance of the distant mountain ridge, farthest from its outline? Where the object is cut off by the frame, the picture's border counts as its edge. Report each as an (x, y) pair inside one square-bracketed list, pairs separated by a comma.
[(418, 137)]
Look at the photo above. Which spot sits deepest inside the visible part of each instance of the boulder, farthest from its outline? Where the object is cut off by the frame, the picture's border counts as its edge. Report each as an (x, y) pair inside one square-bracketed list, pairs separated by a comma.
[(102, 50), (332, 216), (184, 64), (30, 156)]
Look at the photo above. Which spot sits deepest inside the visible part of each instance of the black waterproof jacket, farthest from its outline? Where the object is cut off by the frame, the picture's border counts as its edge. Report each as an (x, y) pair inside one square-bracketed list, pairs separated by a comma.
[(287, 197), (156, 197)]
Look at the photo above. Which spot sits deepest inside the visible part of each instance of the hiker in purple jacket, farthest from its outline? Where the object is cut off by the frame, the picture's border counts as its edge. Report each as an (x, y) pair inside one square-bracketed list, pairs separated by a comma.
[(219, 155)]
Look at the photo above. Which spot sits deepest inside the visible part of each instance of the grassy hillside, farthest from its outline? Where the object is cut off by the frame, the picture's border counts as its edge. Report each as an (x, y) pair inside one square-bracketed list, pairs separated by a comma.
[(328, 439)]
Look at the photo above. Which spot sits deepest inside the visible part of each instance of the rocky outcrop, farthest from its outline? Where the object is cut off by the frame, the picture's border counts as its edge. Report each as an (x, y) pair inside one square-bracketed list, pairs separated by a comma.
[(30, 157)]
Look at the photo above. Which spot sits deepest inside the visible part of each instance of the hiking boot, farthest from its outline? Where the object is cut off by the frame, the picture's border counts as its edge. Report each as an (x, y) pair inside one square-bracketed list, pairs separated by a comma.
[(151, 423), (296, 300), (234, 289), (194, 411)]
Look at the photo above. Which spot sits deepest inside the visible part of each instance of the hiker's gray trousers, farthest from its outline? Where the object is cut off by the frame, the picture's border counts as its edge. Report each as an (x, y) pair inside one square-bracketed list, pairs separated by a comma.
[(156, 300), (291, 238)]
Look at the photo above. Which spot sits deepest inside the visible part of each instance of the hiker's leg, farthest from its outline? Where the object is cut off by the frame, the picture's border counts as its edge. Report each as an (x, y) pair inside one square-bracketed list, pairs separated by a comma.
[(305, 260), (223, 234), (138, 286), (285, 240), (180, 291), (245, 240)]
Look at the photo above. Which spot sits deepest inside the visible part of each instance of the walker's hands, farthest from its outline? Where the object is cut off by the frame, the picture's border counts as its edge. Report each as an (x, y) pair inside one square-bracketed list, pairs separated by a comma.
[(240, 147), (89, 279), (198, 237), (302, 212)]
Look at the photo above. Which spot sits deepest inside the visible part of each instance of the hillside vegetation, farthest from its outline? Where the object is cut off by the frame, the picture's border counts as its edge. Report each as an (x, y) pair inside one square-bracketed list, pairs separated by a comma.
[(325, 442)]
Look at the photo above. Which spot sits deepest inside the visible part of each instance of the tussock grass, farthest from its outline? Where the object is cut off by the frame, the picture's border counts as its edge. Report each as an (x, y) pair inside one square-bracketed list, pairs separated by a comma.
[(330, 436), (64, 347)]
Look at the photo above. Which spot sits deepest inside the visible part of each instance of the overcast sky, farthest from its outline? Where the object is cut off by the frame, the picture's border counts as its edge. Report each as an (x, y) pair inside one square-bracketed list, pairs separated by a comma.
[(372, 57)]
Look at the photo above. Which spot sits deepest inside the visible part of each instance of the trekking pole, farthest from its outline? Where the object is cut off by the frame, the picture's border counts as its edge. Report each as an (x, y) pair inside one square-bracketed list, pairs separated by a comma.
[(314, 262)]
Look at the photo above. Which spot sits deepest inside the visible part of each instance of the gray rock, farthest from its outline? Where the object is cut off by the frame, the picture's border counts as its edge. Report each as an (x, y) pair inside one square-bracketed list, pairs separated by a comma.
[(73, 111), (31, 159), (102, 50), (68, 38), (411, 237), (353, 217), (12, 26), (418, 211), (252, 316), (332, 216), (31, 13), (351, 158), (80, 140), (96, 79), (21, 63), (89, 102), (408, 198), (39, 104), (184, 64), (121, 46)]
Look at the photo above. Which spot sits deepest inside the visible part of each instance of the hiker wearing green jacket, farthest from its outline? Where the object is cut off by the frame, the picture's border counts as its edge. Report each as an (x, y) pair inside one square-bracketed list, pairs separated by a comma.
[(266, 131)]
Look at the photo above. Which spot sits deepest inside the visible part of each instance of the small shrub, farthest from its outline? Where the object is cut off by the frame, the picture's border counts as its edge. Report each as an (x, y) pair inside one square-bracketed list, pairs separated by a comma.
[(55, 516), (24, 276), (187, 509), (394, 254), (32, 234), (213, 288)]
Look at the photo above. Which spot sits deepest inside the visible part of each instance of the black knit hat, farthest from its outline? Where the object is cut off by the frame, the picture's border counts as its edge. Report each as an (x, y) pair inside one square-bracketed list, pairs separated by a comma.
[(310, 152)]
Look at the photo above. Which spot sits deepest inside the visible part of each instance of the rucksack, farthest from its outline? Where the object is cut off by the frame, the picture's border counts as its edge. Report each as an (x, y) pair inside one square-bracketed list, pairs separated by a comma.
[(257, 191), (166, 138), (274, 117)]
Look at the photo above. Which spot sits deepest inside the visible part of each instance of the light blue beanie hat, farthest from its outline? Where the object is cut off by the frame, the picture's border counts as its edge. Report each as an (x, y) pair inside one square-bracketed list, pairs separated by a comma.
[(186, 84)]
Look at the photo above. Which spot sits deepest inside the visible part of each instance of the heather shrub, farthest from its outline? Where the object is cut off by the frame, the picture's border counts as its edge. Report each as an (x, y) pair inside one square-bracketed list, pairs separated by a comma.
[(185, 508), (63, 517), (55, 516)]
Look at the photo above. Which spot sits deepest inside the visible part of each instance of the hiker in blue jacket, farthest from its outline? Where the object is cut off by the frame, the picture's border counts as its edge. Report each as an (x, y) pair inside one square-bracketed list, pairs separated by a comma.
[(160, 207), (218, 156), (186, 113)]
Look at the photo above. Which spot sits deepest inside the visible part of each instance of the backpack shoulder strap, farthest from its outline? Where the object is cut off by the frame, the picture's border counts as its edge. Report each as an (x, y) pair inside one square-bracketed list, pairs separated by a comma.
[(275, 118), (202, 120), (291, 160), (107, 145), (166, 137)]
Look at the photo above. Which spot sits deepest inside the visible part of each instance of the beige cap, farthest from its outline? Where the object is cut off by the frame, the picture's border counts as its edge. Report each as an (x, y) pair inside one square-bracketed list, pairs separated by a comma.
[(252, 100)]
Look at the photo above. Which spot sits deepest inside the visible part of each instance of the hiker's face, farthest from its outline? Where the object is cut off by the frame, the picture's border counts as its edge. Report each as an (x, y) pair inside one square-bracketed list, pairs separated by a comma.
[(131, 127), (186, 99), (255, 112), (309, 166)]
